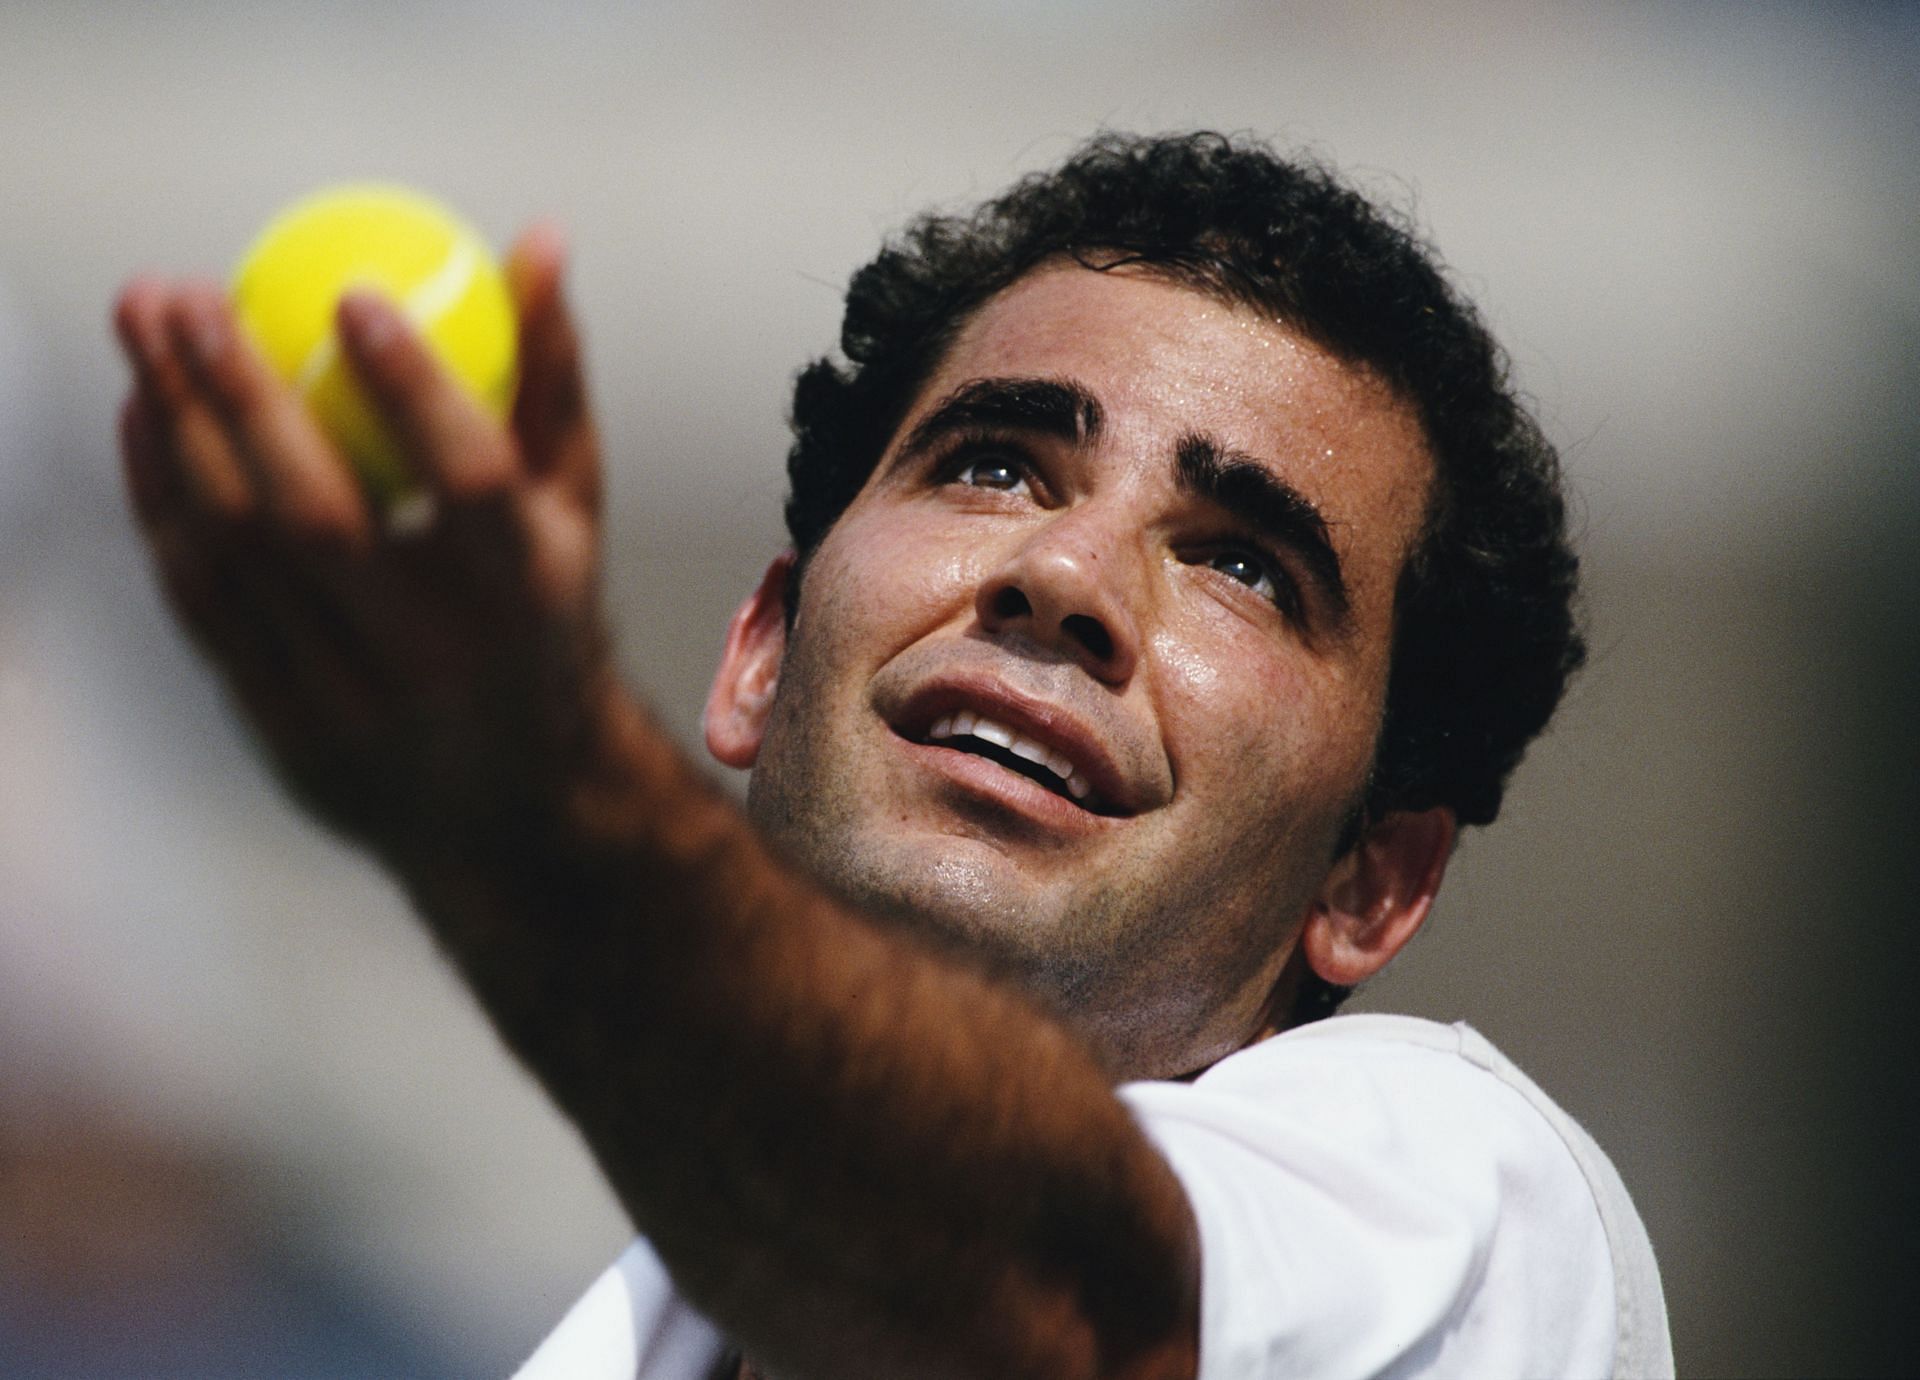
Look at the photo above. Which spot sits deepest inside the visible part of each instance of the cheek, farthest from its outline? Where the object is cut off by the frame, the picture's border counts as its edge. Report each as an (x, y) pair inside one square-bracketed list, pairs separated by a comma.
[(875, 584), (1223, 704), (1189, 674), (1236, 704)]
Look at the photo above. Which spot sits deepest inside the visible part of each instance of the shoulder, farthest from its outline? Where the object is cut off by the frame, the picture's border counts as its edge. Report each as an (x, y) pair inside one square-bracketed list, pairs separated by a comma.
[(1439, 1097), (1413, 1195), (1395, 1086)]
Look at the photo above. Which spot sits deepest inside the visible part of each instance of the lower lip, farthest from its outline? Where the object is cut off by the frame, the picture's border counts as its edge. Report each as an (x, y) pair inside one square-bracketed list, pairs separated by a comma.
[(987, 780)]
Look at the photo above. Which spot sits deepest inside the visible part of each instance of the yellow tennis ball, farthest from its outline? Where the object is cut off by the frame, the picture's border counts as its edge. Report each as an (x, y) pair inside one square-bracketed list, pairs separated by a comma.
[(414, 251)]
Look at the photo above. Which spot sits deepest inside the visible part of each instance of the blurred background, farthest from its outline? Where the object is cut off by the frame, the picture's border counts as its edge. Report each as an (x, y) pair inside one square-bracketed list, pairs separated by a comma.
[(249, 1125)]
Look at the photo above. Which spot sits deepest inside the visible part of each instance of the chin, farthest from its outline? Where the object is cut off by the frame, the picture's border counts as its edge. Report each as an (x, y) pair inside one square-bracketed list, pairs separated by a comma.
[(1083, 955), (962, 896), (955, 887)]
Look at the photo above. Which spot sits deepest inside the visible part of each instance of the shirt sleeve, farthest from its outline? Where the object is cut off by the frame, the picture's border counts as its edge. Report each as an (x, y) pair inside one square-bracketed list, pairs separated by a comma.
[(630, 1325), (1372, 1207)]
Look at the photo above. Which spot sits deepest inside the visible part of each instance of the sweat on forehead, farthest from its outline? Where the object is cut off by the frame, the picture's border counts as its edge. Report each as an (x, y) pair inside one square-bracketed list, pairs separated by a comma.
[(1232, 407)]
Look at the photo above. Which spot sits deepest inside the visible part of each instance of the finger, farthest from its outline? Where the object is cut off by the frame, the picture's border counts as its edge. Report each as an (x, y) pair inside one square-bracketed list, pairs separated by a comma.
[(200, 550), (153, 482), (213, 476), (467, 462), (308, 490), (139, 314), (216, 589), (459, 453), (367, 609), (282, 647), (160, 505), (213, 554), (551, 416)]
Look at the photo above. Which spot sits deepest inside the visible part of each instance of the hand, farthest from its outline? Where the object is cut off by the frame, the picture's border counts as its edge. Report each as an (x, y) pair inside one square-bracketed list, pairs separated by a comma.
[(416, 690)]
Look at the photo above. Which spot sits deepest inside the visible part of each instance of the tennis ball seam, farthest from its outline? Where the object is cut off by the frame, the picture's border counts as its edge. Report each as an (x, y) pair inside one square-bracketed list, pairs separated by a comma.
[(423, 307)]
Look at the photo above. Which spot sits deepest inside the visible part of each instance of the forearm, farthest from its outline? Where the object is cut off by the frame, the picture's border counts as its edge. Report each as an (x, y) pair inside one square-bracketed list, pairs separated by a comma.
[(856, 1157)]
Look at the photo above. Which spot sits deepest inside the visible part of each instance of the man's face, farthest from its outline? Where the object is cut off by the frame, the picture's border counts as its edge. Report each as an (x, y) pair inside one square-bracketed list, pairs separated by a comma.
[(1152, 540)]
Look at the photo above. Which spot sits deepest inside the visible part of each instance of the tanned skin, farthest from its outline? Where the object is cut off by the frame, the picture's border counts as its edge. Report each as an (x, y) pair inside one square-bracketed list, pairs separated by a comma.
[(857, 1153), (860, 1159)]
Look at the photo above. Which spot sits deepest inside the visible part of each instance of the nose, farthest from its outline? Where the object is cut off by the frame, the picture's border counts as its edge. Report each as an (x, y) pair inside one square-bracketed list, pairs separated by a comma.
[(1066, 588)]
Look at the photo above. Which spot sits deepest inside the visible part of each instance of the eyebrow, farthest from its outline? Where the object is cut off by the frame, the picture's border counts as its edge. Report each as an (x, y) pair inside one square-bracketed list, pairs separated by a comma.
[(1230, 480), (1050, 407), (1269, 506)]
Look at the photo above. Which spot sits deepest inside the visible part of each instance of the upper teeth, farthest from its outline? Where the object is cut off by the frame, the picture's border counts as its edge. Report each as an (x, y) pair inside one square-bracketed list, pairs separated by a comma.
[(965, 724)]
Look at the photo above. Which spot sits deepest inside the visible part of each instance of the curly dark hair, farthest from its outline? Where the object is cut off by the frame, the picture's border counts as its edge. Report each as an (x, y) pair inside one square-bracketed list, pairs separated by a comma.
[(1485, 636)]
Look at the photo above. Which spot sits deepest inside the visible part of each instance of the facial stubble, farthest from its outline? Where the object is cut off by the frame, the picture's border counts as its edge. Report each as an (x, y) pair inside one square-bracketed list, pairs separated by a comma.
[(1143, 971)]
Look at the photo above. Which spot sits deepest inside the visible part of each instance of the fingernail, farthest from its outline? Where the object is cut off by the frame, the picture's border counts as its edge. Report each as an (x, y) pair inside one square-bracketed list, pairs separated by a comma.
[(544, 239), (206, 331), (551, 236), (133, 327), (367, 318)]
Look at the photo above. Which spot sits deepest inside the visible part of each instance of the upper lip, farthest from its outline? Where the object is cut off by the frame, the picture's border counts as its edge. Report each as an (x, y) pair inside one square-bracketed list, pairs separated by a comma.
[(1114, 791)]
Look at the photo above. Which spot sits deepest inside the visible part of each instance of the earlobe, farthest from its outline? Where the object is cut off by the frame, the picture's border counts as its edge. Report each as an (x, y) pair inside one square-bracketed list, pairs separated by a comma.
[(1378, 895), (749, 672)]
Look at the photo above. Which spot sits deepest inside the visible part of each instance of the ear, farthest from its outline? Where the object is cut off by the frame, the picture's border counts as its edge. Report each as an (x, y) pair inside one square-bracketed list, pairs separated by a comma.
[(749, 674), (1377, 895)]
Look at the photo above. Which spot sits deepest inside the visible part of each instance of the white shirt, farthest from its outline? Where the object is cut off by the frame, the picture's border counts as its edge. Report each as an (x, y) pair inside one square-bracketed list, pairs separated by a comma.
[(1375, 1196)]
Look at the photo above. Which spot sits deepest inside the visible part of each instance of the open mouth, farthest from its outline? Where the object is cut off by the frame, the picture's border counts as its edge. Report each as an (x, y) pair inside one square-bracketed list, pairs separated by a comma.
[(973, 733)]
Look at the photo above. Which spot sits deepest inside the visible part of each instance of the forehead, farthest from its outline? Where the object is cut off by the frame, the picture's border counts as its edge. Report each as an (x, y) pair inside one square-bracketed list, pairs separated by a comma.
[(1166, 360)]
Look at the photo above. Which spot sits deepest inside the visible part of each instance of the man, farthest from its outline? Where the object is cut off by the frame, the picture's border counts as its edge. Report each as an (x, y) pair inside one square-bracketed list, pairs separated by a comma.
[(1173, 572)]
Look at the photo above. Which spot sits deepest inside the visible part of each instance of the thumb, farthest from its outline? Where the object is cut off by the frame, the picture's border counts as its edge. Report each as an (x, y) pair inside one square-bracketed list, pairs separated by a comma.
[(550, 414)]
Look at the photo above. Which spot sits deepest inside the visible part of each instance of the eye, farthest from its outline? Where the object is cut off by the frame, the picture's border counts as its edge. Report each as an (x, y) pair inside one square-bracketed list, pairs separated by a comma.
[(991, 472), (1258, 574), (1238, 565)]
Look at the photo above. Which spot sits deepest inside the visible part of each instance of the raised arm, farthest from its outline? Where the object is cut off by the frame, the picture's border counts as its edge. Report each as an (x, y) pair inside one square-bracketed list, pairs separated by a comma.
[(858, 1158)]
